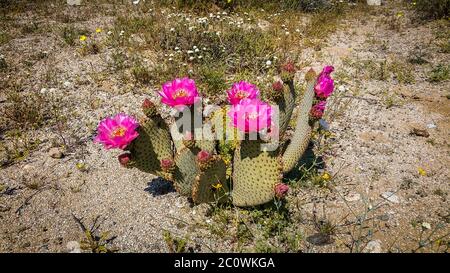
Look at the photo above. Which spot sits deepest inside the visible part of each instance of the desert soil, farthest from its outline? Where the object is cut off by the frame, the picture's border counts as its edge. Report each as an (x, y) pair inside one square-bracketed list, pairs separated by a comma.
[(372, 151)]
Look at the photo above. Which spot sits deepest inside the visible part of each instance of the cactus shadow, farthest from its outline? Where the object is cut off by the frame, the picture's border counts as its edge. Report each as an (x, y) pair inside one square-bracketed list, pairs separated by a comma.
[(159, 186), (308, 160)]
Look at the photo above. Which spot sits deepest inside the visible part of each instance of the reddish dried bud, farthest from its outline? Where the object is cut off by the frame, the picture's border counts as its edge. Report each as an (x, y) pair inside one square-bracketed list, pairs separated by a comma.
[(124, 159), (289, 67), (149, 108), (147, 104), (288, 71), (167, 164), (203, 156), (277, 86), (281, 190)]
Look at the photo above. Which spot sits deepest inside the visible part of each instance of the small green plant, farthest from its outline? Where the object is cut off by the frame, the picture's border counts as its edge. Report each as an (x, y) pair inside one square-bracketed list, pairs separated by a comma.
[(141, 73), (439, 73), (402, 72), (94, 240), (70, 34), (175, 245)]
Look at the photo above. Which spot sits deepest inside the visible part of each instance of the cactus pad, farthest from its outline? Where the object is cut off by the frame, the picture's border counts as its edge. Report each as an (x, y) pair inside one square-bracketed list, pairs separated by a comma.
[(185, 172), (302, 134), (211, 184), (152, 145), (255, 174)]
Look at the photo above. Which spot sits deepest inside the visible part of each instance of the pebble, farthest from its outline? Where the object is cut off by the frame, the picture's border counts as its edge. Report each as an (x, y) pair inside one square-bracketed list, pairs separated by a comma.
[(73, 247), (55, 153), (431, 126), (73, 2), (391, 197), (373, 247)]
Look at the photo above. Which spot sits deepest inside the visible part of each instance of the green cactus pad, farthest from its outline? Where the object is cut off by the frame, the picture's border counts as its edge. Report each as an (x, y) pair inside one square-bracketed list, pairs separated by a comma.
[(302, 134), (286, 104), (152, 145), (255, 174), (185, 172), (206, 141), (211, 184)]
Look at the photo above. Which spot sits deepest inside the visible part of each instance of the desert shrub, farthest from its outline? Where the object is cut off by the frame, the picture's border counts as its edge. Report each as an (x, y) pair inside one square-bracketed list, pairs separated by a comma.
[(141, 73), (432, 9), (213, 79), (440, 73)]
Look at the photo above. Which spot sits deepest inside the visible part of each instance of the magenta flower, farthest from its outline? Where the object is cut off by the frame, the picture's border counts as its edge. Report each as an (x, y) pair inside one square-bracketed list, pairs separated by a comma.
[(325, 84), (242, 90), (281, 190), (117, 131), (318, 109), (179, 93), (251, 115)]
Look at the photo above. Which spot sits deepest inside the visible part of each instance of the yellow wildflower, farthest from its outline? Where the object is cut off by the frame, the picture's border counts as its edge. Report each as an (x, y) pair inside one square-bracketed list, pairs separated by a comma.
[(98, 30), (83, 38), (400, 14), (217, 186), (326, 176), (422, 172)]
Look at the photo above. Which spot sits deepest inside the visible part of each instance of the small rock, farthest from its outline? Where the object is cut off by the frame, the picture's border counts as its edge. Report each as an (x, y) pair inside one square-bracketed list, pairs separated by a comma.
[(391, 197), (67, 84), (55, 153), (374, 2), (373, 247), (420, 132), (431, 126), (341, 88), (426, 225), (74, 2), (73, 247)]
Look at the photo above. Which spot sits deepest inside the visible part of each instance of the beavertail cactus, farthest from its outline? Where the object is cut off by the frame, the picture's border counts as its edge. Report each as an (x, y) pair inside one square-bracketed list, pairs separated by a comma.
[(229, 156)]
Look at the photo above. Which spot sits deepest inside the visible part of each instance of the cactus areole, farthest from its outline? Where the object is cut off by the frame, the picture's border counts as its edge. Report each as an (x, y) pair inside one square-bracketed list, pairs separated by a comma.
[(249, 170)]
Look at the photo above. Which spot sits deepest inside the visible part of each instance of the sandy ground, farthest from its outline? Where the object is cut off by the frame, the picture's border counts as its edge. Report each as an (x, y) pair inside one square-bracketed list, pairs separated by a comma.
[(372, 152)]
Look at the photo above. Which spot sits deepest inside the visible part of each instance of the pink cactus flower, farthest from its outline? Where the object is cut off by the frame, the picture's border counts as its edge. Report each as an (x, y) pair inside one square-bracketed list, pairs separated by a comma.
[(124, 159), (318, 109), (117, 131), (325, 84), (251, 115), (203, 156), (179, 93), (242, 90), (281, 190)]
